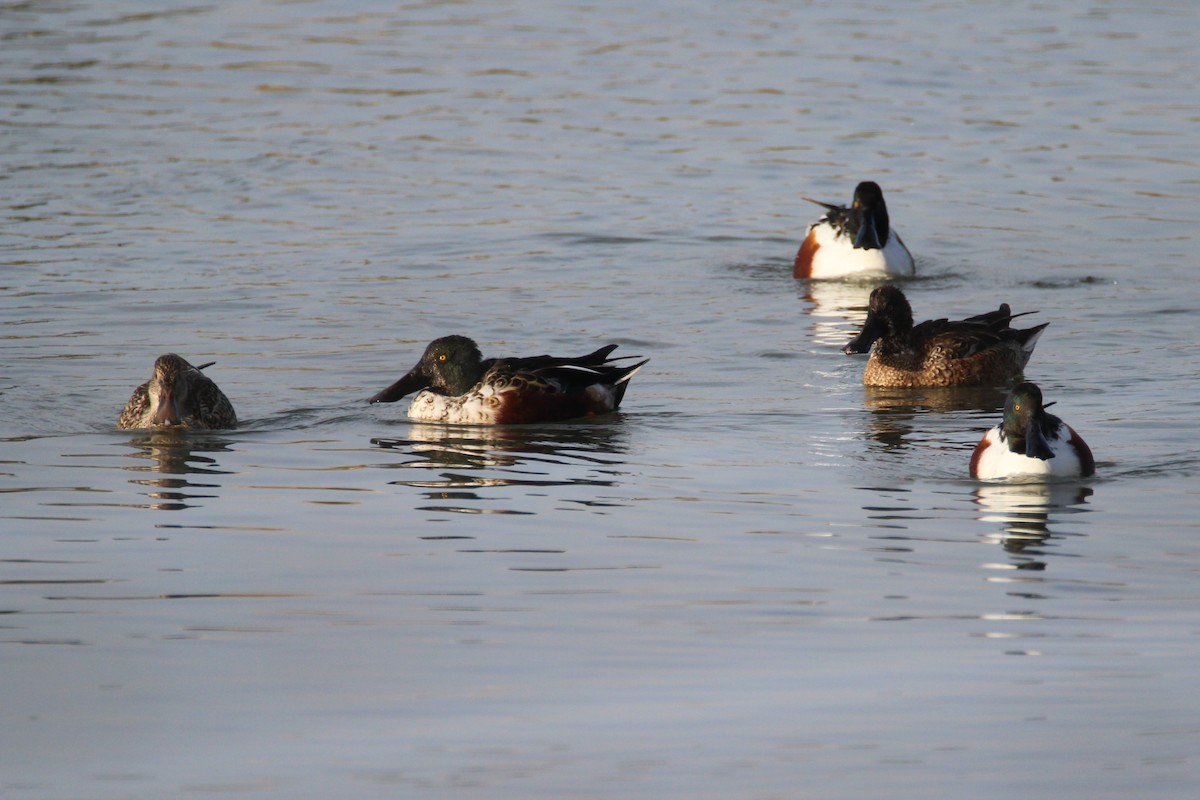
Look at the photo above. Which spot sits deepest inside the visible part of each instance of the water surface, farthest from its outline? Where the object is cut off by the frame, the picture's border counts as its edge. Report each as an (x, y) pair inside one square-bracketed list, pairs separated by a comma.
[(760, 579)]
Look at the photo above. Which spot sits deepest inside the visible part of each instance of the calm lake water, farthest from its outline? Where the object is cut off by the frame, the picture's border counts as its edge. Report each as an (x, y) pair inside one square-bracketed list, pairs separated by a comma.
[(759, 580)]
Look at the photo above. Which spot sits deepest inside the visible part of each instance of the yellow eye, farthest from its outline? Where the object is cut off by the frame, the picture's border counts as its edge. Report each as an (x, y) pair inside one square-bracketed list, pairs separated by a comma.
[(442, 357), (1016, 406)]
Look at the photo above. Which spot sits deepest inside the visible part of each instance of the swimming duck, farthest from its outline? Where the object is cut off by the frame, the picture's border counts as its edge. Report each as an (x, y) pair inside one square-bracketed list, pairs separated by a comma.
[(460, 386), (851, 240), (1030, 442), (178, 395), (978, 351)]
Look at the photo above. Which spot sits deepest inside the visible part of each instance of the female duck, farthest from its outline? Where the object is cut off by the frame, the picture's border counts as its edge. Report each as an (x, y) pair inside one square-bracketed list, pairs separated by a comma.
[(851, 240), (978, 351), (178, 395), (458, 385), (1029, 442)]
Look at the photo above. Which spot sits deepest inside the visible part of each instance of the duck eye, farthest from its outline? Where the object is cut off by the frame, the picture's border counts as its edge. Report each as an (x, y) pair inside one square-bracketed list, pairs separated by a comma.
[(442, 357), (1016, 406)]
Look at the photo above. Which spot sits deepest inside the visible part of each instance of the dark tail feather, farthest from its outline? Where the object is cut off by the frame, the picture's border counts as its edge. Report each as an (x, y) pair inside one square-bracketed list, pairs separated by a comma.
[(1022, 314), (598, 357), (826, 206), (1001, 317)]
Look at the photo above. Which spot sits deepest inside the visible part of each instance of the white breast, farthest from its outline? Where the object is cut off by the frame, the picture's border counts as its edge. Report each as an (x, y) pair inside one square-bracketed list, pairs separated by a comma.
[(477, 407), (837, 257), (996, 461)]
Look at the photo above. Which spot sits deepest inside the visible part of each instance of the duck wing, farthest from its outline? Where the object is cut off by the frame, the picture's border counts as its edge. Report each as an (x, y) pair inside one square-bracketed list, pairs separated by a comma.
[(958, 338), (559, 374), (208, 404)]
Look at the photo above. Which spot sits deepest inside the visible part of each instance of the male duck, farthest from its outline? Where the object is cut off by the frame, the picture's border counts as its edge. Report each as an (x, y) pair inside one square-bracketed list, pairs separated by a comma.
[(1031, 443), (460, 386), (978, 351), (178, 395), (850, 240)]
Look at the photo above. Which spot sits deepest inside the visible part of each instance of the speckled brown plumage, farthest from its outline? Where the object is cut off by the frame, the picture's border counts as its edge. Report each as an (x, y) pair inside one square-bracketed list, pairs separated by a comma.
[(178, 395), (977, 351)]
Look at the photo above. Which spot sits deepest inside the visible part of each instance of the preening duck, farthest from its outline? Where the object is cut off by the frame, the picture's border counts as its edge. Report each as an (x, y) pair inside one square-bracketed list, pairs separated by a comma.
[(178, 395)]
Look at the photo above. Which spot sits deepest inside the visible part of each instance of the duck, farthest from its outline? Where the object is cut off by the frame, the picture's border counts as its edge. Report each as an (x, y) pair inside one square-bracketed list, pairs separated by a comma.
[(978, 351), (858, 239), (178, 395), (1031, 443), (457, 385)]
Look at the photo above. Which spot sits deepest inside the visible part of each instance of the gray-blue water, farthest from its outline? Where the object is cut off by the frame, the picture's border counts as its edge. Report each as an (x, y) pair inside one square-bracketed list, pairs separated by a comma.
[(759, 580)]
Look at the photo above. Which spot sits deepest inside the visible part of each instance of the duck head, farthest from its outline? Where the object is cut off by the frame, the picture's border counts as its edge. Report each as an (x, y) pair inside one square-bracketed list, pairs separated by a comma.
[(888, 315), (1024, 415), (168, 390), (451, 365), (873, 224)]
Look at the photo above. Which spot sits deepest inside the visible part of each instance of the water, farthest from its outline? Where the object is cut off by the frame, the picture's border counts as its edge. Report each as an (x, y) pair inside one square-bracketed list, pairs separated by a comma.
[(760, 580)]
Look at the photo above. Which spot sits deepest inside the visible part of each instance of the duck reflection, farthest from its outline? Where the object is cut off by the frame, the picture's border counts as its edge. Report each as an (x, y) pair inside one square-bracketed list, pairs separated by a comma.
[(891, 413), (177, 452), (520, 452), (471, 458), (837, 308), (1024, 511)]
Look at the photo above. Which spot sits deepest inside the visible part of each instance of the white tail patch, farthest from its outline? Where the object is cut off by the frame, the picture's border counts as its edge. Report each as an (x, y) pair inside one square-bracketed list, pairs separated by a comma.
[(1032, 341), (631, 373)]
